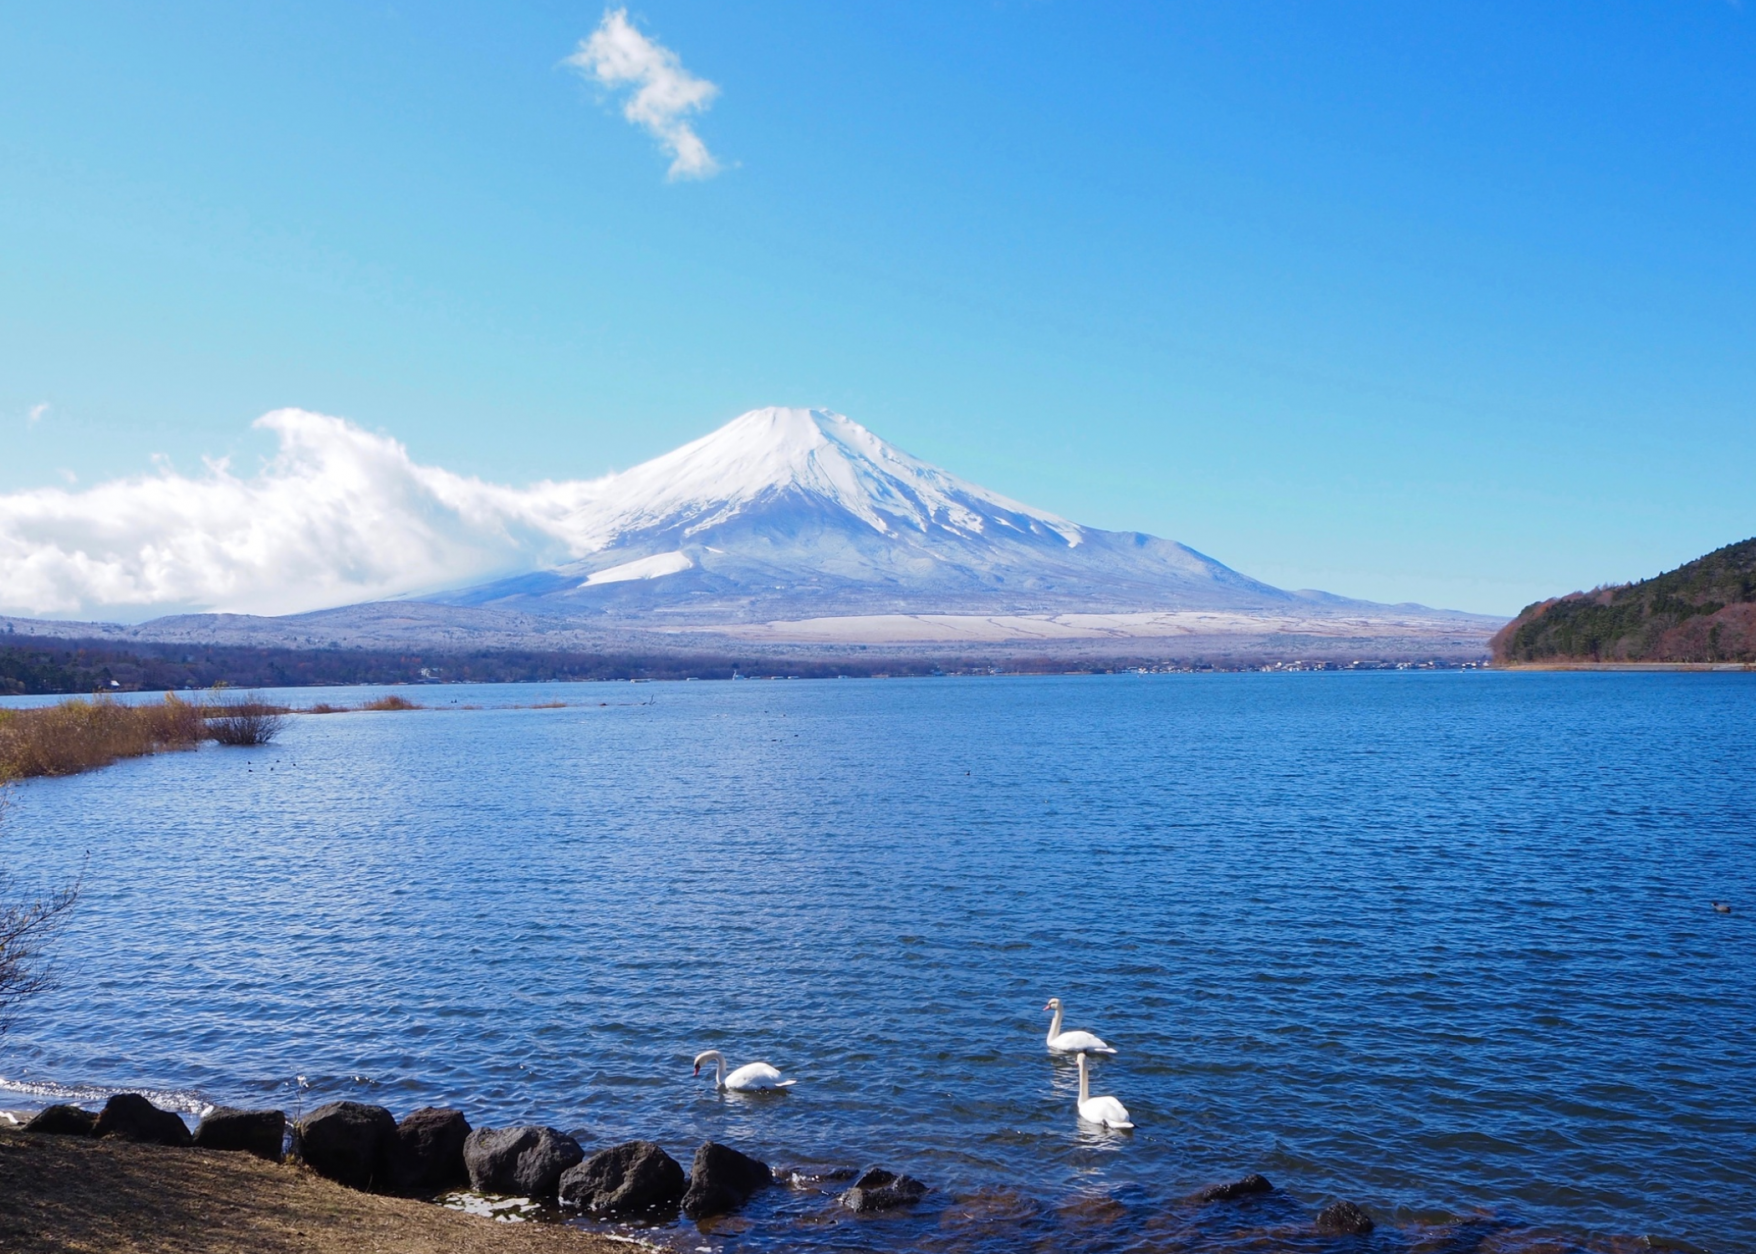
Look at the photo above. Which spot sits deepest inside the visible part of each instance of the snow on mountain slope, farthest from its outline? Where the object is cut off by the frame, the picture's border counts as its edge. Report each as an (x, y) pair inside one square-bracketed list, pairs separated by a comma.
[(788, 513)]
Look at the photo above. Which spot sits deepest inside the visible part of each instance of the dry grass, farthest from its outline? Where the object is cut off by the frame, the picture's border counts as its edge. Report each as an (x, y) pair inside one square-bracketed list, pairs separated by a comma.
[(82, 735), (61, 1195), (391, 703)]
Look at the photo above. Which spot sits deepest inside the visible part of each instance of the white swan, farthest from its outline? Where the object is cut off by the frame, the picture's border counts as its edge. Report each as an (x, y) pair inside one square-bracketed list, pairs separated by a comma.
[(752, 1077), (1105, 1110), (1071, 1042)]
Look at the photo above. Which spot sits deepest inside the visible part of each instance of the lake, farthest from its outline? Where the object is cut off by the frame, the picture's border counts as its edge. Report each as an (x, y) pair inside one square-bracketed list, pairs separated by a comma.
[(1438, 943)]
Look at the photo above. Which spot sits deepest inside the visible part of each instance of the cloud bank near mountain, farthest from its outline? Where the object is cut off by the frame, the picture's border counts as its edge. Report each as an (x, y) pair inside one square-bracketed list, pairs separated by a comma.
[(339, 514)]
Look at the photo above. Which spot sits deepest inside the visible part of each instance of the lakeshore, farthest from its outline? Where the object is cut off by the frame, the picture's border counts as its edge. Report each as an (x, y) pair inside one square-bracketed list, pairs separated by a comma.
[(64, 1194)]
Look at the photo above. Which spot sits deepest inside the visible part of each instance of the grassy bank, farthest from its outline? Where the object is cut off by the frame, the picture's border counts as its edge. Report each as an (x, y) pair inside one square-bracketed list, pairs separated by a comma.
[(69, 1193), (84, 734)]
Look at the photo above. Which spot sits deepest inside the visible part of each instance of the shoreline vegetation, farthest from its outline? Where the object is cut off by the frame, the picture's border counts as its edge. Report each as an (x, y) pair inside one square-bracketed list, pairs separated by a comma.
[(1698, 616), (54, 666), (87, 733)]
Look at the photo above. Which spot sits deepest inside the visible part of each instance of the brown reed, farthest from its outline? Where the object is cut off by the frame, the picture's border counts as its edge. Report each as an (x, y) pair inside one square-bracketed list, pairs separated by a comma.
[(82, 735)]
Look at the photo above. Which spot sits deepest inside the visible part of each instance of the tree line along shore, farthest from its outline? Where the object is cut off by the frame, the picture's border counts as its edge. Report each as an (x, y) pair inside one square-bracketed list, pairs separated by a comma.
[(1701, 614)]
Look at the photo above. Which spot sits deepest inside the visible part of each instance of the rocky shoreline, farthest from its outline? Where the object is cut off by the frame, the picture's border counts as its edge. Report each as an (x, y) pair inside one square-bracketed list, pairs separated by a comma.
[(433, 1153)]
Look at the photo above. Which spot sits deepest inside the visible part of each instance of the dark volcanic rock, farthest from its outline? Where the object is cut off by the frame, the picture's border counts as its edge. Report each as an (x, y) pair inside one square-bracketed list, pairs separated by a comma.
[(882, 1190), (1249, 1186), (258, 1132), (426, 1151), (62, 1121), (632, 1179), (721, 1179), (349, 1142), (1344, 1218), (525, 1161), (132, 1118)]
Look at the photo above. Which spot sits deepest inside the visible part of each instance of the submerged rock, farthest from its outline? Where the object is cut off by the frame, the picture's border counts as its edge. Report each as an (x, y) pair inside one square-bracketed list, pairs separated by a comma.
[(62, 1120), (526, 1161), (882, 1190), (722, 1179), (1344, 1218), (258, 1132), (426, 1151), (348, 1142), (632, 1179), (1249, 1186), (131, 1117)]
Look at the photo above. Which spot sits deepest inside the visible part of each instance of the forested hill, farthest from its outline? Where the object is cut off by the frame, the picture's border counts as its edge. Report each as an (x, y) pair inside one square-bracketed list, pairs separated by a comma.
[(1702, 612)]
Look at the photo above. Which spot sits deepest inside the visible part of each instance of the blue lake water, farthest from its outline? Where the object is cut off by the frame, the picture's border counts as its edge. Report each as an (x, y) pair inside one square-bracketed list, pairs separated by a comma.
[(1436, 943)]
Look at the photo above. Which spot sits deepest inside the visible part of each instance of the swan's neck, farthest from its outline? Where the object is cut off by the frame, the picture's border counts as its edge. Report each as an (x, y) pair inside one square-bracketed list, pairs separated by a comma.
[(719, 1071), (1055, 1026), (1084, 1082)]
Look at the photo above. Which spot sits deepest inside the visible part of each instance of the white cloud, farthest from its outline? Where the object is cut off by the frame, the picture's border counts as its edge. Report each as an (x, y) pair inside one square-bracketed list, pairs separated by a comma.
[(664, 93), (36, 413), (337, 515)]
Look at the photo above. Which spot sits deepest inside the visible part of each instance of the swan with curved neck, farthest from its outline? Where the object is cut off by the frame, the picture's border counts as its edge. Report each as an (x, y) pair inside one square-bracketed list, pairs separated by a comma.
[(1071, 1042), (1105, 1110), (752, 1077)]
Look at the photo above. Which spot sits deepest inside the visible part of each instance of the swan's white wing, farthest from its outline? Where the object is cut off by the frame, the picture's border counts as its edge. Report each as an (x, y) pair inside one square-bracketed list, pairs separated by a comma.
[(1078, 1043), (1105, 1110), (754, 1076)]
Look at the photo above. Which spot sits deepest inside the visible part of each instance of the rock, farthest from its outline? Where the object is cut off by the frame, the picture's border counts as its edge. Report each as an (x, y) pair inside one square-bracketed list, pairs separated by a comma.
[(721, 1179), (526, 1162), (426, 1153), (1344, 1218), (1249, 1186), (62, 1120), (882, 1190), (258, 1132), (632, 1179), (349, 1142), (132, 1118)]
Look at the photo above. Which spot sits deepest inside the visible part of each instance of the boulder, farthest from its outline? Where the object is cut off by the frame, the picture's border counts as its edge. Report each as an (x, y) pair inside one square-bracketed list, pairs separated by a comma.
[(721, 1179), (1344, 1219), (1249, 1186), (349, 1142), (879, 1189), (427, 1152), (258, 1132), (131, 1117), (526, 1162), (62, 1120), (637, 1178)]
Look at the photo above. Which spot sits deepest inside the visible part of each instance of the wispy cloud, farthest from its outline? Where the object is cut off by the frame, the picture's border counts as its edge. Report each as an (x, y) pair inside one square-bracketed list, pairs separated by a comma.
[(664, 93), (338, 515), (36, 413)]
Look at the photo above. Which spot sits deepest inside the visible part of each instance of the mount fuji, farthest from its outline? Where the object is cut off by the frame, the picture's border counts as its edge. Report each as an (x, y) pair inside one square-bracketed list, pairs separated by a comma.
[(803, 517)]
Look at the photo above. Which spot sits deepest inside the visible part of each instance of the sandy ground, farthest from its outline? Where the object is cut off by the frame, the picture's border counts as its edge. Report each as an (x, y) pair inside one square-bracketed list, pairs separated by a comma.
[(68, 1193)]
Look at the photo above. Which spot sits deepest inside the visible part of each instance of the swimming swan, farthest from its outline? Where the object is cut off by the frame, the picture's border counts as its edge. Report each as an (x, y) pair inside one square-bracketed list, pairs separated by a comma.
[(752, 1077), (1071, 1042), (1105, 1110)]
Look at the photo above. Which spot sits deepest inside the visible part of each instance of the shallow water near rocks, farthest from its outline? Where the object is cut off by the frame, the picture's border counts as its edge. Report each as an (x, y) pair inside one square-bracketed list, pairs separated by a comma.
[(1436, 943)]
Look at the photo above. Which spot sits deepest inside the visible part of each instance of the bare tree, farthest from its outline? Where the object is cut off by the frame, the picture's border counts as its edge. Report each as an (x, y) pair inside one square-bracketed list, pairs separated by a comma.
[(27, 925), (248, 720)]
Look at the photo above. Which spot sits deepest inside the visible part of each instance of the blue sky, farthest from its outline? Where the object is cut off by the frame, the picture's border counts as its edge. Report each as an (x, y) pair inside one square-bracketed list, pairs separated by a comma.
[(1449, 303)]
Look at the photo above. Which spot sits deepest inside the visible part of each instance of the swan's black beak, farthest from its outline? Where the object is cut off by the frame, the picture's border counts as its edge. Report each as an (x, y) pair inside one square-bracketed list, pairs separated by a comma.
[(697, 1068)]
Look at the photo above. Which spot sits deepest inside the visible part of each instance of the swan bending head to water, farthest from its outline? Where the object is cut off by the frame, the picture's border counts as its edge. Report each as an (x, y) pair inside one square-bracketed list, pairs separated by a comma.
[(1071, 1042), (752, 1077), (1105, 1110)]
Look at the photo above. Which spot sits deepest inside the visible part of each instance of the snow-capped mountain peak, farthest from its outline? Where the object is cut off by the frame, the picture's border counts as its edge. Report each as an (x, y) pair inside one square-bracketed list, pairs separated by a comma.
[(794, 512), (824, 457)]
